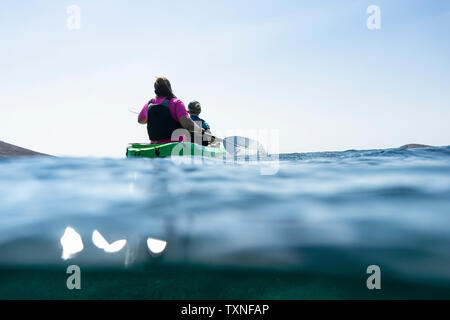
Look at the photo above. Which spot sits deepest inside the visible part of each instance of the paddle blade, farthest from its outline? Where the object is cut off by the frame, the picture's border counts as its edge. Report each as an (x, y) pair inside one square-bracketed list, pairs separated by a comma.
[(134, 110), (243, 146)]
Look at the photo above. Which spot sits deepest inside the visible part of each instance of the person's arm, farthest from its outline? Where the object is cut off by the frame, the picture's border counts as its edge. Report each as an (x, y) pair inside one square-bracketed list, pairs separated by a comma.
[(142, 118), (191, 126), (184, 118), (187, 123), (207, 134)]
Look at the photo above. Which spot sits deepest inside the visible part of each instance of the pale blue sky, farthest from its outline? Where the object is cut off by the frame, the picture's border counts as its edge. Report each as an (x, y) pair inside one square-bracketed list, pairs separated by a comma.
[(310, 69)]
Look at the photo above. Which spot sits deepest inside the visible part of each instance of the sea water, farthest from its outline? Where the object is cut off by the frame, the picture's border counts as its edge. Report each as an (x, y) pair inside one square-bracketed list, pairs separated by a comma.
[(158, 228)]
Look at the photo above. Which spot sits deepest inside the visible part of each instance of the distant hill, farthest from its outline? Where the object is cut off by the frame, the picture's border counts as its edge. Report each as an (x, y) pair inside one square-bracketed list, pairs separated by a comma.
[(9, 150), (414, 145)]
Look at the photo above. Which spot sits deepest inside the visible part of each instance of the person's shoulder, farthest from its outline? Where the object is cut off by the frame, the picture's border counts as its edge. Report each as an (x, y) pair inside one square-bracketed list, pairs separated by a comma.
[(176, 101), (177, 106)]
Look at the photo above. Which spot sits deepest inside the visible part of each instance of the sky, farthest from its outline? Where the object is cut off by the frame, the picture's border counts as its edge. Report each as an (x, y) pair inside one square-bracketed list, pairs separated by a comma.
[(312, 72)]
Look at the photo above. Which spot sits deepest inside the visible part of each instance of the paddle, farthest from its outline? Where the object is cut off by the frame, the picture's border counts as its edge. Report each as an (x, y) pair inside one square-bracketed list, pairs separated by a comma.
[(235, 145), (133, 110)]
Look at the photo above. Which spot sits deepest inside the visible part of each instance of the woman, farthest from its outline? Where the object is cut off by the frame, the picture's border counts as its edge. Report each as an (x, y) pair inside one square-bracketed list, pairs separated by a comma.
[(164, 114)]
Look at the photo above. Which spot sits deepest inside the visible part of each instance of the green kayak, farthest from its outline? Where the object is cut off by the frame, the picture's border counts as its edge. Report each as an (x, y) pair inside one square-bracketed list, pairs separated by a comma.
[(140, 150)]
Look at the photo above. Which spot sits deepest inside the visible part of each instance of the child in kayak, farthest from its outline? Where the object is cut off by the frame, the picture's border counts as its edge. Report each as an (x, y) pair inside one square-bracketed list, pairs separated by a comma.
[(194, 109), (164, 114)]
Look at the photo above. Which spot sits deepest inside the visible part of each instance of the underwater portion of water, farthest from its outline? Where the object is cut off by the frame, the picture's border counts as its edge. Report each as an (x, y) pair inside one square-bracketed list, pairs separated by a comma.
[(326, 215)]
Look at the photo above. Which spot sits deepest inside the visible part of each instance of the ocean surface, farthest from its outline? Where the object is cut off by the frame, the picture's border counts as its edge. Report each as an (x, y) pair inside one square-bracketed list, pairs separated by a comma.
[(292, 226)]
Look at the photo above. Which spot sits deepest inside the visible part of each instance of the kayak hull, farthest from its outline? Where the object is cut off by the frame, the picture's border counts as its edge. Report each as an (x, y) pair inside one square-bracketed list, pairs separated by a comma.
[(141, 150)]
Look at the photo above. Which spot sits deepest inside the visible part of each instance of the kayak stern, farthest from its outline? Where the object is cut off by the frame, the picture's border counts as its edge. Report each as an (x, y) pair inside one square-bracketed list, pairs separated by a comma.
[(141, 150)]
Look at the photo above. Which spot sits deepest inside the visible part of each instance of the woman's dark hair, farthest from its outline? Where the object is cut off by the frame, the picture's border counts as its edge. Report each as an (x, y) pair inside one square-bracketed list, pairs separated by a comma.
[(163, 88)]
